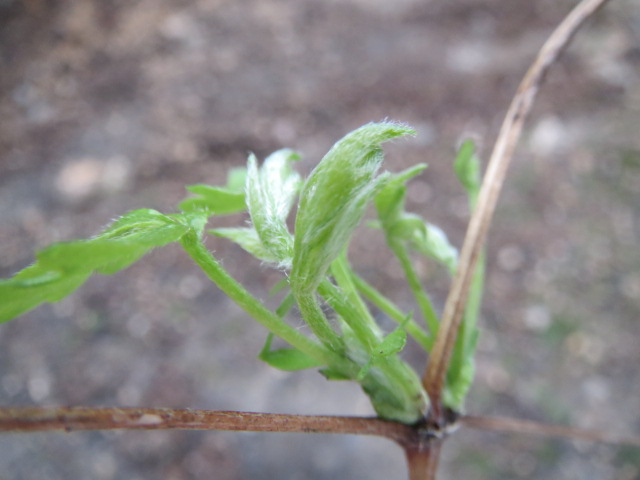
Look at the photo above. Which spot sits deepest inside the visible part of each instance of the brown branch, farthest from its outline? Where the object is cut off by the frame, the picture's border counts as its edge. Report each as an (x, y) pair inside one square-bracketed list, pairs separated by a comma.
[(30, 419), (423, 458), (535, 428), (433, 379)]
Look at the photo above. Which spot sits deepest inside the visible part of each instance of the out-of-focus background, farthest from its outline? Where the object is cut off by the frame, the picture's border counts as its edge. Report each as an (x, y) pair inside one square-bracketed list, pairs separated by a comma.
[(108, 106)]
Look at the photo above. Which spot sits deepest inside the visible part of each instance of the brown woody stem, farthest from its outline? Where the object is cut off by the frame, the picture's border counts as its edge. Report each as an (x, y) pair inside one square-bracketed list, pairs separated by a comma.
[(506, 425), (30, 419), (434, 376)]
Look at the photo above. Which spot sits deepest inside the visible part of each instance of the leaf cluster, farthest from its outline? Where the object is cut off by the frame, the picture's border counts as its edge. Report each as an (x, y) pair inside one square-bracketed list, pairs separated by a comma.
[(347, 343)]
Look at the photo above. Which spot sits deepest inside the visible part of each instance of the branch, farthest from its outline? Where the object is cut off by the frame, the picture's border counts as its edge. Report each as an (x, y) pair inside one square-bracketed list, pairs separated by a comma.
[(433, 379), (30, 419), (535, 428)]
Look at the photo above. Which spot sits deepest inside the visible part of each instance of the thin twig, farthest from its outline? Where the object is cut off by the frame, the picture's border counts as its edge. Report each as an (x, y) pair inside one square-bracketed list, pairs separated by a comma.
[(433, 379), (31, 419), (536, 428)]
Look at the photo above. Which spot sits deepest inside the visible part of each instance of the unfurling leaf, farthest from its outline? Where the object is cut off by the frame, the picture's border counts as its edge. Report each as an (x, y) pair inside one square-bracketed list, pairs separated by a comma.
[(218, 200), (248, 239), (270, 192), (408, 228), (333, 200), (432, 242), (467, 167)]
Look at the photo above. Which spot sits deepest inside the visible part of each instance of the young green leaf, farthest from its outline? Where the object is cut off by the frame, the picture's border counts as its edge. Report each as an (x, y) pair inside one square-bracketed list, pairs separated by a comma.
[(333, 200), (237, 179), (270, 192), (467, 167), (63, 267), (400, 228), (248, 239), (288, 359), (432, 242), (392, 343), (408, 228), (218, 200), (390, 200), (461, 368), (462, 364)]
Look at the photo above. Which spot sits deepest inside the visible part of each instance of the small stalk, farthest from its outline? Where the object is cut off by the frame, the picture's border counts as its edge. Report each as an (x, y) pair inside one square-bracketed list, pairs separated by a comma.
[(218, 275), (422, 299), (316, 319), (342, 272), (369, 337), (394, 313)]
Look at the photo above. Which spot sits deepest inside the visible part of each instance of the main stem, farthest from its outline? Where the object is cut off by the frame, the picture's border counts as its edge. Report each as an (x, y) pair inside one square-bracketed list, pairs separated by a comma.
[(422, 459)]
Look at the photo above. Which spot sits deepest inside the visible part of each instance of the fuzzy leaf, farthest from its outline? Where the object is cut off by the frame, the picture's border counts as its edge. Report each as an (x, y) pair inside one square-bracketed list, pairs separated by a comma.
[(288, 359), (62, 267), (218, 200), (432, 242), (467, 167), (270, 192), (333, 200), (409, 228), (392, 343), (461, 371), (248, 239), (390, 200)]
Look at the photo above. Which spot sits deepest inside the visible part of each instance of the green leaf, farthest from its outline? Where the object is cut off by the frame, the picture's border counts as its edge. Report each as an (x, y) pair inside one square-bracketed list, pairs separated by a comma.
[(334, 374), (390, 200), (288, 359), (62, 267), (408, 228), (432, 242), (237, 179), (461, 370), (392, 343), (248, 239), (334, 198), (467, 167), (218, 200), (270, 192)]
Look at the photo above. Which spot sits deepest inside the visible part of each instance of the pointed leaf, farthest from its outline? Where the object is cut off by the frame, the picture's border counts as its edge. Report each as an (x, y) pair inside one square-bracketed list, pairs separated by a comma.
[(467, 167), (248, 239), (63, 267), (218, 200), (333, 200), (409, 228), (288, 359), (432, 242), (391, 198), (270, 192), (392, 343)]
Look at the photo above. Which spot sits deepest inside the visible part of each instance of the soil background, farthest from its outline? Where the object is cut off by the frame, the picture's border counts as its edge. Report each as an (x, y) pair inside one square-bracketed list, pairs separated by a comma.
[(108, 106)]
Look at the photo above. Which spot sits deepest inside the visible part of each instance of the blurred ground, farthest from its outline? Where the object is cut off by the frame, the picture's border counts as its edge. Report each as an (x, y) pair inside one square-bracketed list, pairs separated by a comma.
[(111, 106)]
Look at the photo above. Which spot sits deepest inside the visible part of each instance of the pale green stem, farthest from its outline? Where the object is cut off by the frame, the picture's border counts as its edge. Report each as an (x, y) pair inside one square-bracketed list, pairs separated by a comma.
[(316, 319), (392, 311), (349, 313), (252, 305), (343, 274), (422, 299)]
